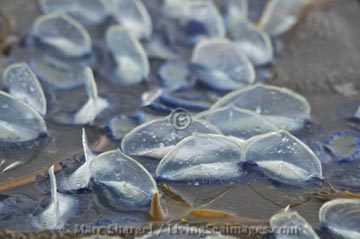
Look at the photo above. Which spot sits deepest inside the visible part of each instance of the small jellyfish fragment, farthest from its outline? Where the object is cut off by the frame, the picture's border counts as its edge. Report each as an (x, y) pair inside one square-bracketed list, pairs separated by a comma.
[(88, 12), (201, 19), (202, 158), (58, 209), (285, 108), (58, 74), (94, 105), (121, 125), (19, 122), (281, 15), (62, 33), (344, 145), (80, 178), (132, 65), (148, 97), (222, 65), (175, 75), (255, 43), (24, 85), (341, 217), (239, 123), (283, 158), (157, 137), (291, 220), (134, 17), (122, 180)]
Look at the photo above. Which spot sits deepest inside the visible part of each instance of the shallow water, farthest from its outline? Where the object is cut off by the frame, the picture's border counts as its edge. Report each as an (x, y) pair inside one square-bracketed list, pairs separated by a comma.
[(320, 54)]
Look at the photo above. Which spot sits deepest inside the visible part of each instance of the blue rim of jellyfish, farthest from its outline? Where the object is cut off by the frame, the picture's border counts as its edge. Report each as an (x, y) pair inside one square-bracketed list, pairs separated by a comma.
[(319, 149), (187, 104), (338, 134)]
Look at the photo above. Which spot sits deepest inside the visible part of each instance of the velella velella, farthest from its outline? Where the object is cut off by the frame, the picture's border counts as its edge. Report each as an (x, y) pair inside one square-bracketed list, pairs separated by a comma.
[(132, 65), (202, 158), (19, 122), (63, 34), (80, 178), (222, 65), (133, 16), (198, 19), (24, 85), (293, 225), (175, 75), (344, 145), (87, 12), (57, 210), (239, 123), (285, 108), (94, 105), (341, 217), (157, 137), (280, 15), (254, 42), (283, 158), (121, 125), (123, 182), (58, 74)]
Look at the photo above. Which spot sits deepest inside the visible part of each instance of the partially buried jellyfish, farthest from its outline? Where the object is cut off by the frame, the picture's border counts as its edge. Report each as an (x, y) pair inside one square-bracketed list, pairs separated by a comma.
[(94, 105), (297, 226), (23, 84), (54, 212), (79, 178), (238, 123), (131, 62), (19, 122), (202, 158), (62, 33), (157, 137), (285, 108), (121, 182), (344, 145), (133, 16), (283, 158), (222, 65), (88, 12), (341, 217)]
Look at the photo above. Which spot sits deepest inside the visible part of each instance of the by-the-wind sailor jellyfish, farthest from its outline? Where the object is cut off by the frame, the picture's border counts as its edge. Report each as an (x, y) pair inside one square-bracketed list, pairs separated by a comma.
[(121, 181), (239, 123), (345, 145), (58, 208), (88, 12), (58, 74), (297, 227), (132, 65), (280, 15), (133, 16), (24, 85), (222, 65), (122, 124), (254, 42), (283, 158), (19, 122), (199, 20), (80, 178), (202, 158), (94, 105), (285, 108), (341, 217), (157, 137), (63, 34)]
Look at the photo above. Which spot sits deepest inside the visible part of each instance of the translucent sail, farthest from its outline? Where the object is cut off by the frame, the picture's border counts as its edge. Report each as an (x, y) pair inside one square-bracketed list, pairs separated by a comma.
[(202, 158), (132, 65), (63, 34), (283, 158), (19, 122), (24, 85)]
